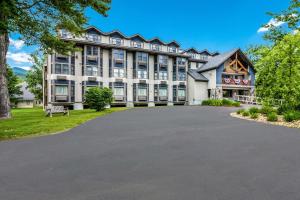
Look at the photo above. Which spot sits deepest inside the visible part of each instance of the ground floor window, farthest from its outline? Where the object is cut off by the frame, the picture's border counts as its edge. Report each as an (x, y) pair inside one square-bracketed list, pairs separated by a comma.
[(118, 91), (61, 90), (162, 92), (181, 92), (142, 91)]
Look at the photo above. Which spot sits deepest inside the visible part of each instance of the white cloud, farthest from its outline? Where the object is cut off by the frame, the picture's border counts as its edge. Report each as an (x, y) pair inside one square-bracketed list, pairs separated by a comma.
[(18, 44), (273, 22), (27, 68), (21, 57)]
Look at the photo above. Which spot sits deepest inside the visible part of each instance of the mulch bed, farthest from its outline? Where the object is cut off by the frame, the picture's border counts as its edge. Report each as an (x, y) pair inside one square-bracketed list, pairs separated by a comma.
[(263, 119)]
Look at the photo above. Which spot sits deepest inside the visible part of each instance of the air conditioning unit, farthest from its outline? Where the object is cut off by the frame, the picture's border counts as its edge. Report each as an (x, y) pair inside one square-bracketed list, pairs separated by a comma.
[(163, 98), (142, 98), (61, 77), (118, 98)]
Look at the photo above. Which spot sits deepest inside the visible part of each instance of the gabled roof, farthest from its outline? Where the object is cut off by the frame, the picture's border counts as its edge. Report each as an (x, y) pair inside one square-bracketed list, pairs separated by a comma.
[(191, 50), (196, 75), (138, 36), (117, 32), (216, 61), (173, 43), (156, 39), (95, 29)]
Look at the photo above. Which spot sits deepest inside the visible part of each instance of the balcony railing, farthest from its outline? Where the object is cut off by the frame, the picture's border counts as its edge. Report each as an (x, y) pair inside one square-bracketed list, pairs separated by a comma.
[(232, 81)]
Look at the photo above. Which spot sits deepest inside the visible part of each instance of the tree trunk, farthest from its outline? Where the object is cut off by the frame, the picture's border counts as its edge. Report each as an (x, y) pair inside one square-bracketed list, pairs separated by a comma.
[(4, 96)]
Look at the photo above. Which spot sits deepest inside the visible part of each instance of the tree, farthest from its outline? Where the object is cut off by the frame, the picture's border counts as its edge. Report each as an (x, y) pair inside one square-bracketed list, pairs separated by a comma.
[(13, 86), (98, 98), (37, 22), (290, 16), (34, 77), (278, 76)]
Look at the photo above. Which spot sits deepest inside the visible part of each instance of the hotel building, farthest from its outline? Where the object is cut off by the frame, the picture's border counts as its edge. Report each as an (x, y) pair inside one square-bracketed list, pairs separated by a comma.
[(143, 72)]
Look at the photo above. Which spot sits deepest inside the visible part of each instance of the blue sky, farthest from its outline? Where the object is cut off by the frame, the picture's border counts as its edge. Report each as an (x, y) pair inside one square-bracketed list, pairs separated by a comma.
[(216, 25)]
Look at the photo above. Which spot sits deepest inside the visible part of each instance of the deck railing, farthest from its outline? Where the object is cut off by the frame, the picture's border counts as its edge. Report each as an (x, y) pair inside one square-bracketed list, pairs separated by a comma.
[(247, 99)]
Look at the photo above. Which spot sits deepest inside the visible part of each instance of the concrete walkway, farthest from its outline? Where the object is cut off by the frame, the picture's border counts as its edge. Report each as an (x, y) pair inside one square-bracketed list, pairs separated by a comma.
[(167, 153)]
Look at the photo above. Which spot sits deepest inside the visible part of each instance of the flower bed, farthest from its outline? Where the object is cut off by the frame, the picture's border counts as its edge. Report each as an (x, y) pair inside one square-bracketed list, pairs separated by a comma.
[(269, 115)]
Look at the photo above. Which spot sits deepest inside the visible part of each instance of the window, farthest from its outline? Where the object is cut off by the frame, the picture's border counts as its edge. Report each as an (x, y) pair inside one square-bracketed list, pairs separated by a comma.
[(116, 41), (181, 92), (142, 57), (142, 91), (181, 76), (163, 75), (65, 33), (155, 47), (119, 72), (91, 70), (163, 60), (172, 49), (92, 51), (203, 57), (61, 90), (118, 54), (163, 92), (61, 68), (142, 74), (136, 44), (93, 37), (119, 91), (181, 61)]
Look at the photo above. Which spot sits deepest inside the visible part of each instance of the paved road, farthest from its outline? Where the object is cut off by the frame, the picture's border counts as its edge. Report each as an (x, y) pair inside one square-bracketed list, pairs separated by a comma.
[(156, 153)]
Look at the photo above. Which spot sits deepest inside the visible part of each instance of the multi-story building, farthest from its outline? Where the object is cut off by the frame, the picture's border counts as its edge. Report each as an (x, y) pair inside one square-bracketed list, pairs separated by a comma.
[(143, 72)]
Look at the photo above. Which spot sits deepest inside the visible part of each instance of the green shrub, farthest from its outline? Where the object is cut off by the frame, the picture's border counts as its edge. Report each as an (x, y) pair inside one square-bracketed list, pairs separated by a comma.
[(219, 102), (227, 102), (212, 102), (240, 111), (283, 109), (236, 104), (253, 115), (291, 116), (98, 98), (266, 110), (272, 117), (245, 113), (205, 103), (253, 110)]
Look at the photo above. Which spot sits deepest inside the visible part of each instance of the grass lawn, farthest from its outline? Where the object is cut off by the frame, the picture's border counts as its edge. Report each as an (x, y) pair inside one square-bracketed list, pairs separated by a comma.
[(32, 122)]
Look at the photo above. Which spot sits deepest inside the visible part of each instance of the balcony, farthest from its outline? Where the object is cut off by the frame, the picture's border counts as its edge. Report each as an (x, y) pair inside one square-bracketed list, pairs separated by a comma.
[(155, 47), (238, 82), (137, 45), (116, 41), (93, 37)]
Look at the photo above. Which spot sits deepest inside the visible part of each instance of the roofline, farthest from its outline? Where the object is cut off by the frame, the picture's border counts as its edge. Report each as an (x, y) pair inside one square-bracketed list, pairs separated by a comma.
[(235, 50), (134, 35)]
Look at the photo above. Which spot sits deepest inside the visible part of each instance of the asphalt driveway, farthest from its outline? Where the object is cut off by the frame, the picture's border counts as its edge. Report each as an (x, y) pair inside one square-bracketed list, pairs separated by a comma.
[(156, 153)]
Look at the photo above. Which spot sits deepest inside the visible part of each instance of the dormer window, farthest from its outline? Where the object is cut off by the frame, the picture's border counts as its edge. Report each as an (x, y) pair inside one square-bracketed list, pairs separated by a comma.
[(193, 55), (93, 37), (64, 33), (116, 41), (155, 47), (172, 49), (136, 44), (203, 57)]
